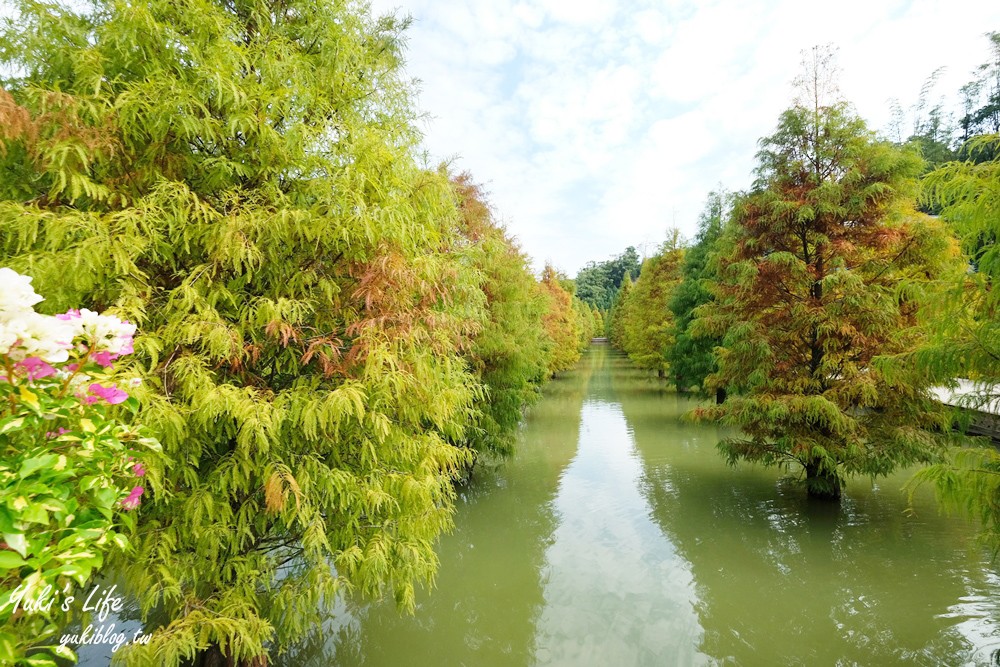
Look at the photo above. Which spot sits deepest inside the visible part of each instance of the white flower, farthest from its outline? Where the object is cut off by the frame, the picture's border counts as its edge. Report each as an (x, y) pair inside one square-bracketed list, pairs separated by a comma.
[(78, 382), (7, 338), (16, 294), (40, 336), (107, 332)]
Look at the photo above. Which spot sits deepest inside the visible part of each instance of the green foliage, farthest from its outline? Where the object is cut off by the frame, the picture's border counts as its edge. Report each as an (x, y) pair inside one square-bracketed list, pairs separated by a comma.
[(969, 484), (598, 282), (239, 179), (619, 315), (968, 193), (59, 508), (510, 354), (585, 321), (598, 318), (647, 321), (67, 466), (561, 321), (691, 357), (965, 341), (822, 282)]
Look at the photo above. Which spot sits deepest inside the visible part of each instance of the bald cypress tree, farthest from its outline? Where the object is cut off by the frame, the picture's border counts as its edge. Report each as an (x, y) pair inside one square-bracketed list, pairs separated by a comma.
[(828, 259), (561, 322), (619, 314), (691, 357), (511, 351), (648, 324), (598, 322), (238, 179)]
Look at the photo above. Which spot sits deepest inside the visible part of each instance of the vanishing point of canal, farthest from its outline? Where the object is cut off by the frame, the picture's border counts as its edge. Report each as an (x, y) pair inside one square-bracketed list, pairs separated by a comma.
[(618, 536)]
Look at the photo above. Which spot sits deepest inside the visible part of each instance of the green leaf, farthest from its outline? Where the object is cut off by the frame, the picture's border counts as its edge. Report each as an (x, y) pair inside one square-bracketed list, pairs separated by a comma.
[(10, 560), (131, 404), (35, 463), (40, 661), (12, 424), (121, 541), (7, 642), (6, 521), (105, 497), (17, 542), (65, 652), (35, 513)]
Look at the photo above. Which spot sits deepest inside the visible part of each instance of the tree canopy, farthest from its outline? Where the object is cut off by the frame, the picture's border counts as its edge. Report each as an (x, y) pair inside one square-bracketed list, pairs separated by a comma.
[(648, 331), (821, 282), (319, 315), (691, 357), (565, 322), (512, 351)]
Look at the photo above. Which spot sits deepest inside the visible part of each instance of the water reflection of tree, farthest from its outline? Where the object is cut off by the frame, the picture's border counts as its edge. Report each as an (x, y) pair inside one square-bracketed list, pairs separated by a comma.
[(488, 592), (780, 580)]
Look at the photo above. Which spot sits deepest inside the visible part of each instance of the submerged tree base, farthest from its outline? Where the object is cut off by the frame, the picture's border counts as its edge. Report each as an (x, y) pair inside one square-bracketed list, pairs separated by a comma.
[(213, 656), (822, 485)]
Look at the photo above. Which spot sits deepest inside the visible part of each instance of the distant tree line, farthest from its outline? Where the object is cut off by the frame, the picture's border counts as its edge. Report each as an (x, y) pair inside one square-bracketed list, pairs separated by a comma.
[(597, 283), (941, 130)]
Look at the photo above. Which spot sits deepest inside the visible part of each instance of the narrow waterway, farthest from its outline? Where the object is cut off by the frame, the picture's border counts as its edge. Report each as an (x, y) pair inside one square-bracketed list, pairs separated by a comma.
[(618, 536)]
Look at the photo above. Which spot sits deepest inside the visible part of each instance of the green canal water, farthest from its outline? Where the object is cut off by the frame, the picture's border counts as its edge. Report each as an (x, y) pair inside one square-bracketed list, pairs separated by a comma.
[(618, 536)]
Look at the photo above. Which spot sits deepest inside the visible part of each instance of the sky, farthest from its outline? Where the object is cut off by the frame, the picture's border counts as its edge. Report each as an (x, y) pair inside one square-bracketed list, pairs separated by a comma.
[(599, 124)]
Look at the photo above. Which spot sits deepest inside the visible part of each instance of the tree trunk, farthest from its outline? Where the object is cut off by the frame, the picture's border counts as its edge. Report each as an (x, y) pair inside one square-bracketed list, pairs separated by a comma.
[(821, 484)]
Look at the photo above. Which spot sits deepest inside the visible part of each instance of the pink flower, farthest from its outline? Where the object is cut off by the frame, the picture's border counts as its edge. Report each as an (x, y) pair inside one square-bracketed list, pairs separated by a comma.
[(104, 358), (71, 314), (56, 434), (112, 394), (139, 470), (36, 368), (125, 347), (132, 501)]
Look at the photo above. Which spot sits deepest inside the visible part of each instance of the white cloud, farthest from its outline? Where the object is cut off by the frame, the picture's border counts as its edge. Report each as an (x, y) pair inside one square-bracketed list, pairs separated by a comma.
[(597, 124), (581, 12), (531, 15)]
